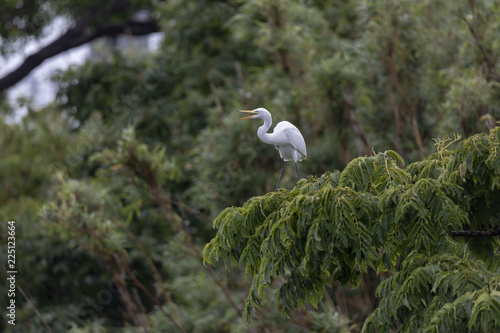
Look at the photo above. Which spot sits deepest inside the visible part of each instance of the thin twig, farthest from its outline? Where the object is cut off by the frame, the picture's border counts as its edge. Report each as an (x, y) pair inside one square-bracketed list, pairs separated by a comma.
[(159, 198), (148, 293), (156, 273), (131, 308), (358, 127), (217, 101), (477, 41), (28, 299), (216, 279), (157, 195), (398, 125), (495, 231)]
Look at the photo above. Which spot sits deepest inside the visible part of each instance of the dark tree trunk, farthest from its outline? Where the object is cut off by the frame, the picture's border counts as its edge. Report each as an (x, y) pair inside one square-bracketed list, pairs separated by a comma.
[(78, 35)]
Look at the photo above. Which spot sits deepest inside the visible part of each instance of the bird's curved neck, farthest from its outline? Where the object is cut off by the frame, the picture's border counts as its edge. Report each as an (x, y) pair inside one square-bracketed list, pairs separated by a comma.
[(262, 131)]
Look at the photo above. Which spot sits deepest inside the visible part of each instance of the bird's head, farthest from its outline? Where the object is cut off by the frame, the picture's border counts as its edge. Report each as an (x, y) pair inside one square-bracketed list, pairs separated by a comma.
[(257, 113)]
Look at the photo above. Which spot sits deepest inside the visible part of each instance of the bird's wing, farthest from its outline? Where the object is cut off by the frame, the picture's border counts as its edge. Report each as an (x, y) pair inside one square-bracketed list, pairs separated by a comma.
[(292, 137)]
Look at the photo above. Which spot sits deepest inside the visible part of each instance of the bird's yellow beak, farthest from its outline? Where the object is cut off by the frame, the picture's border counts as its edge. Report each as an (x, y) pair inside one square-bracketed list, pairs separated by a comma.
[(247, 111)]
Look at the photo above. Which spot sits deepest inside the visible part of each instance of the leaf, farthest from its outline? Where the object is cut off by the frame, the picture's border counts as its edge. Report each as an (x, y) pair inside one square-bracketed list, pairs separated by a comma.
[(314, 298), (381, 217)]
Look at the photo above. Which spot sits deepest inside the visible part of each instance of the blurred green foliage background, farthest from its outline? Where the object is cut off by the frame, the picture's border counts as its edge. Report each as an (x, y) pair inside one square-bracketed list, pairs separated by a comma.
[(114, 185)]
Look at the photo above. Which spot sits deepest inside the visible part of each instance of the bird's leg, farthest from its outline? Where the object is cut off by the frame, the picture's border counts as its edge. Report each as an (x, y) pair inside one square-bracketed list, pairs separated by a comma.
[(281, 174), (296, 173)]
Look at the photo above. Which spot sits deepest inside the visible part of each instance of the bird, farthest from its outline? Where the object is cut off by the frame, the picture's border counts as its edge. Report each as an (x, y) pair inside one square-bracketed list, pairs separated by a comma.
[(285, 137)]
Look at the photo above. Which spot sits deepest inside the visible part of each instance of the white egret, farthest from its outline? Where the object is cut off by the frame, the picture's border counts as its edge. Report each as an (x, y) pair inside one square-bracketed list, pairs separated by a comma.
[(285, 137)]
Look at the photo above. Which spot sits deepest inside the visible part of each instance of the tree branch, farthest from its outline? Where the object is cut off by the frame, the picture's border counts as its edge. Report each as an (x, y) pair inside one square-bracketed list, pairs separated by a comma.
[(78, 36), (495, 231), (358, 127), (490, 62), (29, 300), (147, 292)]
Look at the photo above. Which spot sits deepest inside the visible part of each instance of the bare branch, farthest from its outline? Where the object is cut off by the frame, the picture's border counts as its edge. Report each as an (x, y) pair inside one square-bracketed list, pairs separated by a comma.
[(29, 300), (147, 292), (77, 36), (491, 65), (495, 231)]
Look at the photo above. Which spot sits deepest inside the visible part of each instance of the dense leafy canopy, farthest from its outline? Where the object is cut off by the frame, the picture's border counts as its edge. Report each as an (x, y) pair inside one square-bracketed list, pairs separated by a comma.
[(114, 186), (377, 215)]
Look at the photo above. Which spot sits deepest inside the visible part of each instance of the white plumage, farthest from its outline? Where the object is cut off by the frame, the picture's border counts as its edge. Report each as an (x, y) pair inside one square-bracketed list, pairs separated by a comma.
[(285, 137)]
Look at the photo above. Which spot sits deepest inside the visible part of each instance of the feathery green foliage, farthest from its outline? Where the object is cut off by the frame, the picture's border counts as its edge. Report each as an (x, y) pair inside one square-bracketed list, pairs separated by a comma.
[(377, 214), (146, 150)]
